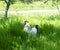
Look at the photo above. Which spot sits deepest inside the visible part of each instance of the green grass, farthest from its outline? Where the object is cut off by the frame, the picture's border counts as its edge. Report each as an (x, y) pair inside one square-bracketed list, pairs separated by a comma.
[(12, 36), (37, 5)]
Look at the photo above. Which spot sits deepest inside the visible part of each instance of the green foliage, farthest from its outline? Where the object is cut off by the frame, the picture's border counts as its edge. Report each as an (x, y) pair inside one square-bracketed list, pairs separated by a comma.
[(31, 6), (12, 1), (12, 36), (26, 1)]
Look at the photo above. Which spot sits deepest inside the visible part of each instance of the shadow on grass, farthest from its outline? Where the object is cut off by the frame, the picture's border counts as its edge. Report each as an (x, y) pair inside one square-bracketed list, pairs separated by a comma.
[(11, 34), (48, 29)]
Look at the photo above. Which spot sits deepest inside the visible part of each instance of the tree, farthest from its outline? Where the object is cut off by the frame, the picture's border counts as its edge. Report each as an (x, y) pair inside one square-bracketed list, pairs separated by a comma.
[(8, 3), (54, 2), (7, 7)]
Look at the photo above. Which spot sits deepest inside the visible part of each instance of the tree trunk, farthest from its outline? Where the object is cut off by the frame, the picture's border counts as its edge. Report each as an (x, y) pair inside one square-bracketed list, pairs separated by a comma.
[(7, 8)]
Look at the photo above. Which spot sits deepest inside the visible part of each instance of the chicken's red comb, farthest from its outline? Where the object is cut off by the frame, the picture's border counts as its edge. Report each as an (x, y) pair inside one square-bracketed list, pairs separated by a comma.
[(26, 21)]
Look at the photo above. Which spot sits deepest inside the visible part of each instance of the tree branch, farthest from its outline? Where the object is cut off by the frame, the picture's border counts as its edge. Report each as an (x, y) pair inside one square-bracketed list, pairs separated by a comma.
[(56, 4), (5, 1)]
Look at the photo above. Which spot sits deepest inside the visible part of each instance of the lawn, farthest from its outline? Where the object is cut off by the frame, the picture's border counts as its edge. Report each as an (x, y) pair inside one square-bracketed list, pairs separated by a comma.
[(12, 36)]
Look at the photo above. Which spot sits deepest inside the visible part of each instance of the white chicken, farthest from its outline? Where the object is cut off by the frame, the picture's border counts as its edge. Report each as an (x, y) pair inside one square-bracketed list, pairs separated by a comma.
[(27, 27), (34, 30)]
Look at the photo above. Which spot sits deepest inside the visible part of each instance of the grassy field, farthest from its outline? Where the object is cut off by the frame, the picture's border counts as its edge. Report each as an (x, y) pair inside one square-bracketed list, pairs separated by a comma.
[(31, 6), (12, 36)]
